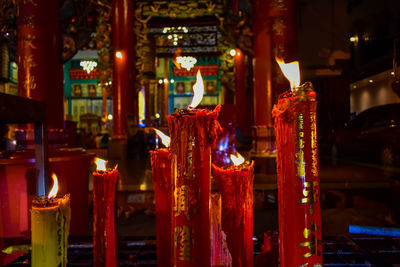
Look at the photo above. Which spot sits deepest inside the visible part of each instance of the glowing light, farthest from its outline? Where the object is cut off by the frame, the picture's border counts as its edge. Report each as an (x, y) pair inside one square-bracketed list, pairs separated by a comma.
[(160, 81), (237, 160), (186, 62), (232, 52), (165, 80), (291, 71), (392, 73), (165, 139), (141, 105), (354, 39), (88, 65), (371, 81), (142, 187), (157, 115), (101, 164), (198, 91), (53, 192), (110, 117), (118, 54), (172, 81)]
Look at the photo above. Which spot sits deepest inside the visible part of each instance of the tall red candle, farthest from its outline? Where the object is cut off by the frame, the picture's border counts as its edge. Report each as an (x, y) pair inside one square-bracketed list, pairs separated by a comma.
[(193, 133), (235, 183), (298, 178), (104, 226), (220, 255), (161, 171)]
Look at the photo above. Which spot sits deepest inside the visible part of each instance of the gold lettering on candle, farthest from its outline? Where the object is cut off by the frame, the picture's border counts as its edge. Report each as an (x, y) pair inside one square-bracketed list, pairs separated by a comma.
[(311, 242), (301, 166), (314, 149), (182, 242), (181, 201), (189, 171)]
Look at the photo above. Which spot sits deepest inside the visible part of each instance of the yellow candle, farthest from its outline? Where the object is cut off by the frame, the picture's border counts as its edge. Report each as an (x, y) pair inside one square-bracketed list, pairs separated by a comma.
[(50, 228)]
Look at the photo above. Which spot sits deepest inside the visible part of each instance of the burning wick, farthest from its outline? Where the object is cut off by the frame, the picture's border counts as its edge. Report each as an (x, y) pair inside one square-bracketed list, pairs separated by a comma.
[(54, 190), (198, 91), (291, 71), (101, 164), (237, 160), (165, 139)]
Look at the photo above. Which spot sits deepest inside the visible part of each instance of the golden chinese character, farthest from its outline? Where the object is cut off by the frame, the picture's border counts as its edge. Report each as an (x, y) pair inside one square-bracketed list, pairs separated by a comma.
[(310, 235), (181, 201), (30, 1), (28, 41), (182, 242), (301, 166)]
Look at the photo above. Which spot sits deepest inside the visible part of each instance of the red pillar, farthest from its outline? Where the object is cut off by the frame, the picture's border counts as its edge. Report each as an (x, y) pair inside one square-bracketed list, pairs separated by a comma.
[(124, 95), (284, 35), (274, 29), (243, 95), (40, 73)]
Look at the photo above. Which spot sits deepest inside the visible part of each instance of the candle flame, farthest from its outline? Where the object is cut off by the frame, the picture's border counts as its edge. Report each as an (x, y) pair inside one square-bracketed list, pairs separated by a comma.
[(53, 192), (198, 91), (165, 139), (101, 164), (237, 160), (291, 71)]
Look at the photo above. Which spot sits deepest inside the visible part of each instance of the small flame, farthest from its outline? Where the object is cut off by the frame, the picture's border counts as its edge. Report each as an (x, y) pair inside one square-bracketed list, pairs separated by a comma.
[(53, 192), (101, 164), (165, 139), (198, 89), (237, 160), (291, 71)]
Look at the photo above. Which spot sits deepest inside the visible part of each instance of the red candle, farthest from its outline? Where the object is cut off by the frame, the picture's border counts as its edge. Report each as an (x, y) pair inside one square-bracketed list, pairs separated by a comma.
[(235, 183), (220, 255), (193, 133), (104, 226), (298, 178), (161, 171)]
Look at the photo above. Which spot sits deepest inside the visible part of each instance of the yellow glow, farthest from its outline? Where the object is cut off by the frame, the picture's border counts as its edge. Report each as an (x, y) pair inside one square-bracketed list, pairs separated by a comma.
[(142, 105), (198, 91), (186, 62), (143, 186), (110, 117), (53, 192), (237, 160), (232, 52), (291, 71), (354, 39), (165, 139), (118, 54), (101, 164)]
